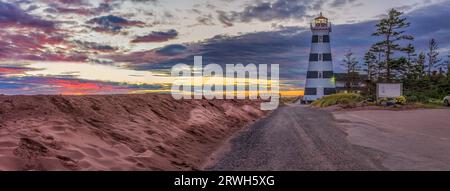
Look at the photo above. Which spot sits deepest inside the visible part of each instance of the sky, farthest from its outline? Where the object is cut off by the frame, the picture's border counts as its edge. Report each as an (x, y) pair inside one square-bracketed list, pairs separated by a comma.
[(128, 46)]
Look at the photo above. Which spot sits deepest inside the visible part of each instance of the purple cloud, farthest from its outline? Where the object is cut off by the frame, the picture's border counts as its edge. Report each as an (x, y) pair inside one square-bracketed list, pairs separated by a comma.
[(157, 36), (113, 23), (13, 16)]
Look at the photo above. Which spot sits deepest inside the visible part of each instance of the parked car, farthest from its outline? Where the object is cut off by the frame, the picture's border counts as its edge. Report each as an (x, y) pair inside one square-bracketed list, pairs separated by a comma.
[(447, 101)]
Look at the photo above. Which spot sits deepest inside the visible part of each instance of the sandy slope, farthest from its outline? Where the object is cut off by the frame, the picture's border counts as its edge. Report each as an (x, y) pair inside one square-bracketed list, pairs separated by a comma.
[(115, 132)]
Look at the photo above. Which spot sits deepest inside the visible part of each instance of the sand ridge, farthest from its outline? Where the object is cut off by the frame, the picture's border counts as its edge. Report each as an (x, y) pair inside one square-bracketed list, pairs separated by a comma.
[(116, 132)]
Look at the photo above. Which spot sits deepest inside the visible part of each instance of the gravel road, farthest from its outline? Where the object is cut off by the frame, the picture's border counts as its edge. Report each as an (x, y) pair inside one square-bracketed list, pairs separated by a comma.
[(297, 137), (411, 139)]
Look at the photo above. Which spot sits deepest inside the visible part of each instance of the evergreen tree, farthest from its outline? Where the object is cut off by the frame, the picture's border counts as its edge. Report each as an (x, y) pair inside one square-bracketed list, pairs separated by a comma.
[(410, 56), (392, 31), (410, 51), (432, 54), (379, 67), (370, 61), (351, 66), (419, 69), (446, 65)]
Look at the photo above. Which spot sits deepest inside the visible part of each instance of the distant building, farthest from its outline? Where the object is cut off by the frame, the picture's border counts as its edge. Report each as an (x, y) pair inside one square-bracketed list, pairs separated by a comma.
[(359, 83), (319, 78)]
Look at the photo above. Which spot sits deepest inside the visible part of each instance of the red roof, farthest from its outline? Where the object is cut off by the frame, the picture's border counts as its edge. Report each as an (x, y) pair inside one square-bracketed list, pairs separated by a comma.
[(321, 16)]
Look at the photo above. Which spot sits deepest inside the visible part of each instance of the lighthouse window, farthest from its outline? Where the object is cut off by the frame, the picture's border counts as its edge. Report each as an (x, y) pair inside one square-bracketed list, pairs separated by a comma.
[(314, 57), (327, 57), (327, 74), (326, 38), (329, 91), (315, 39), (310, 91), (312, 74)]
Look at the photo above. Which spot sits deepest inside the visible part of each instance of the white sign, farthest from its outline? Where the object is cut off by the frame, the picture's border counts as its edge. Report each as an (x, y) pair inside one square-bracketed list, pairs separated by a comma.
[(389, 90)]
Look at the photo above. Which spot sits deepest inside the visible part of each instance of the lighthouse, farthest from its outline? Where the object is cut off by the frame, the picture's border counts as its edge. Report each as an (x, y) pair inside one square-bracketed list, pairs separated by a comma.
[(320, 77)]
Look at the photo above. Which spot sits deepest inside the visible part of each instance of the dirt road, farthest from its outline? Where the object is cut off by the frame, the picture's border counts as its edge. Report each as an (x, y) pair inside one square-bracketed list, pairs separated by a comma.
[(411, 140), (297, 138), (300, 138)]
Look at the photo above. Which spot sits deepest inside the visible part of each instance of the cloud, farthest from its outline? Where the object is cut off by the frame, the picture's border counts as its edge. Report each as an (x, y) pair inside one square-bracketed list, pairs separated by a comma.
[(71, 2), (79, 9), (266, 11), (64, 10), (33, 46), (60, 85), (145, 1), (406, 7), (156, 36), (280, 9), (287, 48), (94, 46), (276, 10), (225, 19), (7, 70), (431, 22), (205, 19), (340, 3), (113, 23), (172, 50), (13, 16)]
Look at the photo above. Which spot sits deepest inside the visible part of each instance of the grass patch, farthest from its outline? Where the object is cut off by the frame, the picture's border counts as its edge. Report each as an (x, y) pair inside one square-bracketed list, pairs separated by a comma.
[(428, 106), (431, 104), (345, 99)]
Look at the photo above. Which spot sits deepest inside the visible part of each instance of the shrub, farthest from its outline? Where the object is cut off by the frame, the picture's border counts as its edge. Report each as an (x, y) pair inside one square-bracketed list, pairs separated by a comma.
[(371, 98), (400, 100), (383, 100), (345, 99), (418, 97), (413, 99)]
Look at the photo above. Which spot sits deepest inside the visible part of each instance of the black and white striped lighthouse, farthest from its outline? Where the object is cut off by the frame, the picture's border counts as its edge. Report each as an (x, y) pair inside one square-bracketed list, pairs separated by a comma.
[(320, 77)]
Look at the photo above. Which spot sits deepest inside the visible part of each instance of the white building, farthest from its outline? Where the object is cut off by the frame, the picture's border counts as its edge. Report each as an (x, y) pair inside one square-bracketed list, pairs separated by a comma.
[(319, 78)]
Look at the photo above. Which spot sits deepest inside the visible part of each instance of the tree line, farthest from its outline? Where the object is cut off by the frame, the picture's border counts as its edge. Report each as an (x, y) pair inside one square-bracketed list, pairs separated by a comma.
[(394, 59)]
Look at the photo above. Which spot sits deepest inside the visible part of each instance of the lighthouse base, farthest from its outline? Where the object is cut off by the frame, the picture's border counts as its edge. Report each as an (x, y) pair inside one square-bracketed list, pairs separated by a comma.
[(311, 98)]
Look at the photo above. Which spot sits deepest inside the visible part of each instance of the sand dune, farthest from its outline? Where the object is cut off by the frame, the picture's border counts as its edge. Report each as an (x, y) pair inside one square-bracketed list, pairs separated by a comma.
[(116, 132)]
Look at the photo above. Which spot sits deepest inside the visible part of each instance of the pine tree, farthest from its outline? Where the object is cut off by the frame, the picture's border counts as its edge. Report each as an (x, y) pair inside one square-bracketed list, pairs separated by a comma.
[(447, 65), (432, 54), (410, 51), (379, 68), (420, 66), (391, 29), (351, 65), (370, 61)]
